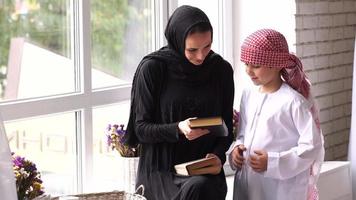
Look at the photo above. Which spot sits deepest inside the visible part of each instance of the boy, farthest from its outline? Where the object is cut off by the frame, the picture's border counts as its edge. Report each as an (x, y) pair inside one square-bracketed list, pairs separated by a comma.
[(279, 148)]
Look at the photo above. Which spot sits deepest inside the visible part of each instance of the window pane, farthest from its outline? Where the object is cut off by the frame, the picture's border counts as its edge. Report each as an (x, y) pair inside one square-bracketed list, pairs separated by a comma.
[(50, 143), (35, 49), (121, 35), (106, 162)]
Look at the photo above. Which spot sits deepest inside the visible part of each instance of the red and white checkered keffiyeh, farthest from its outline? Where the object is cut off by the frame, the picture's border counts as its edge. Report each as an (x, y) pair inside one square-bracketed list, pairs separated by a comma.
[(267, 47)]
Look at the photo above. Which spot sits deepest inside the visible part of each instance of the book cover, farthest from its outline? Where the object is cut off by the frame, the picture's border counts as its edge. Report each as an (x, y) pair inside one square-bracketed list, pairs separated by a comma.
[(198, 167), (216, 125)]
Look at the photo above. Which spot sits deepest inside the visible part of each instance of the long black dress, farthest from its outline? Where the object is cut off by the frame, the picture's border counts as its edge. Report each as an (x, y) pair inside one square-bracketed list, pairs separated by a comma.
[(168, 89)]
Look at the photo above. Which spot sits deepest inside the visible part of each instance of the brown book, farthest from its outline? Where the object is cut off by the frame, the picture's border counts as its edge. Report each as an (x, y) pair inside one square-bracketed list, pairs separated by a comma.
[(198, 167), (216, 125)]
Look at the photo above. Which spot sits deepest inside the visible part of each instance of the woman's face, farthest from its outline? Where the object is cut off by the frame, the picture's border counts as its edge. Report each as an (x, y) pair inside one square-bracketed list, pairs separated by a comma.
[(197, 47)]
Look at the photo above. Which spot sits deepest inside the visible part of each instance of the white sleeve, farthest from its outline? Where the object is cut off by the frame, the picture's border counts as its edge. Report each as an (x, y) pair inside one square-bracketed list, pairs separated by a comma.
[(287, 164), (243, 119), (242, 126), (241, 129)]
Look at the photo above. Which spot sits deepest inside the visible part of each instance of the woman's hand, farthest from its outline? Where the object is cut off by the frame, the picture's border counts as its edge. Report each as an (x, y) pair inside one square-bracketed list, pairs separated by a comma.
[(217, 163), (237, 156), (258, 162), (191, 134)]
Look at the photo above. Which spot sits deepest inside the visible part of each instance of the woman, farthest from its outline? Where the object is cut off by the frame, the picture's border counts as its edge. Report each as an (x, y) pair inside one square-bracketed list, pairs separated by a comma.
[(182, 80)]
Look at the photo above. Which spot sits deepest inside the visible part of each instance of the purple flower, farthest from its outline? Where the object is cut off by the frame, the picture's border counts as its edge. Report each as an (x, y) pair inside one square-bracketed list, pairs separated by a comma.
[(120, 132), (122, 127), (28, 179), (108, 140), (18, 161), (122, 141), (115, 140), (109, 127), (31, 167), (39, 180)]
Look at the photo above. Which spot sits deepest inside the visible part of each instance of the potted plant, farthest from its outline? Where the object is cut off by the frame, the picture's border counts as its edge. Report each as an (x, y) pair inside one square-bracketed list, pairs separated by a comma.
[(129, 155), (28, 179)]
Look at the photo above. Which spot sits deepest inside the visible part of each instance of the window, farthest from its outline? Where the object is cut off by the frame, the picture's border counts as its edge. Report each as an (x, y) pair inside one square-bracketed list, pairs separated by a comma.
[(36, 49), (103, 157), (50, 142), (57, 88), (65, 73), (121, 34)]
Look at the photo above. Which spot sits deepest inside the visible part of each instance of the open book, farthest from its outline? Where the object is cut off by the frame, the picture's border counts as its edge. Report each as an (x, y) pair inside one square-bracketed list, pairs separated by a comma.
[(216, 125), (198, 167)]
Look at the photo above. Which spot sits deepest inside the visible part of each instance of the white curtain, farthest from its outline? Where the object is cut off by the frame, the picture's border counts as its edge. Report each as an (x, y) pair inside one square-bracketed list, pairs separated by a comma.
[(7, 176), (352, 143)]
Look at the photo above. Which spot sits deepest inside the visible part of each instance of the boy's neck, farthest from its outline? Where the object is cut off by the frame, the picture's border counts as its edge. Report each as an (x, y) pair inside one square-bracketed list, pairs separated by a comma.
[(271, 86)]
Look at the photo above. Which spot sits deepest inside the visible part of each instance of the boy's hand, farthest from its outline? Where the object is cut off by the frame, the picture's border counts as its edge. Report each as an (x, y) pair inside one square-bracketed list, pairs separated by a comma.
[(237, 156), (258, 162)]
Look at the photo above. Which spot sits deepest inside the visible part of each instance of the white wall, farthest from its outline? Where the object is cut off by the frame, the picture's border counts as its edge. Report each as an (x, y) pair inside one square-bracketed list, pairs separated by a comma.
[(325, 32)]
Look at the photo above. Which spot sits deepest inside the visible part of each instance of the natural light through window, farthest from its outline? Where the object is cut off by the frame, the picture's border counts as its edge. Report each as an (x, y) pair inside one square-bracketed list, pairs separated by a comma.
[(121, 35), (51, 111), (50, 142), (36, 49), (107, 161)]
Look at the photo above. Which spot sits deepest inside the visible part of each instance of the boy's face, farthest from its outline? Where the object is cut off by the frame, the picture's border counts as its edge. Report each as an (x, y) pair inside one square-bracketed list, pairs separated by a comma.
[(197, 47), (262, 75)]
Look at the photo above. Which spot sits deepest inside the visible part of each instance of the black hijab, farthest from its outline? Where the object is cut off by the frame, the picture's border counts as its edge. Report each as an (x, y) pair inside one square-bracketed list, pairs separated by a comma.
[(180, 23), (183, 19)]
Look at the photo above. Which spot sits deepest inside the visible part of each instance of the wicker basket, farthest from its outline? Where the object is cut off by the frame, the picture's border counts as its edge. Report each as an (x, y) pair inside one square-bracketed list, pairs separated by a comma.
[(115, 195)]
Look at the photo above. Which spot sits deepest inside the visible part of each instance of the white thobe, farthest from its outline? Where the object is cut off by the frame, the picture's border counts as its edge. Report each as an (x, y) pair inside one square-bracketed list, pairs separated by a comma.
[(7, 176), (282, 124)]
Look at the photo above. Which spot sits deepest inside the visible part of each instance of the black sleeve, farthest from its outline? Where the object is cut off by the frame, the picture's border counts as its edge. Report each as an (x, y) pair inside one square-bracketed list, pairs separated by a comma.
[(147, 94), (228, 91)]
